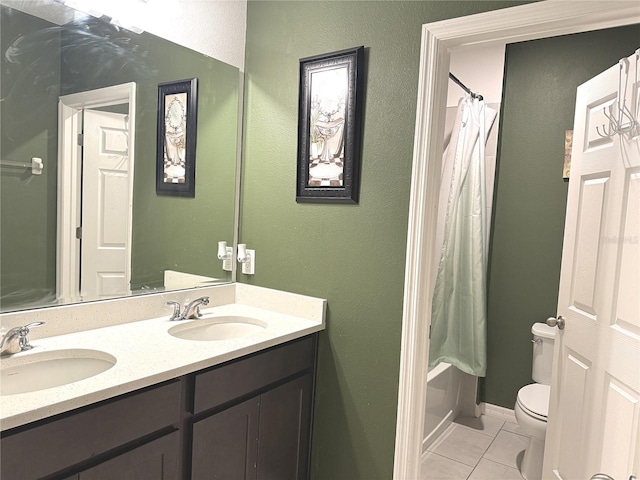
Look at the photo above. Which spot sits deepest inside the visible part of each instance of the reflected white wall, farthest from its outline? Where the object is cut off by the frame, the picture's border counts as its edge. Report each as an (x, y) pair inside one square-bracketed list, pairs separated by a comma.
[(217, 28), (214, 27)]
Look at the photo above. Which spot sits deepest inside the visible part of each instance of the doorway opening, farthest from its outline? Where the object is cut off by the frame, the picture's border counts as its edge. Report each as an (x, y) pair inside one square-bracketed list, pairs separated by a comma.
[(528, 22), (94, 261)]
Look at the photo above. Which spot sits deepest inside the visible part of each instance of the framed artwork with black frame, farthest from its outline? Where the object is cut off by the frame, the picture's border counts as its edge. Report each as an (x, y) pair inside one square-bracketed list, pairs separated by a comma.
[(329, 127), (177, 128)]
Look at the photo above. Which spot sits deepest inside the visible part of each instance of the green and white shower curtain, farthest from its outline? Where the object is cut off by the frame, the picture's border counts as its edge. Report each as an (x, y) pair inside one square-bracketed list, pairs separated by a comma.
[(458, 317)]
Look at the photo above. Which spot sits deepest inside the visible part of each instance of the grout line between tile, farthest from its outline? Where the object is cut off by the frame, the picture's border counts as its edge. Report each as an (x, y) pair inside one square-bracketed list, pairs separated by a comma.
[(485, 451), (498, 461), (514, 433)]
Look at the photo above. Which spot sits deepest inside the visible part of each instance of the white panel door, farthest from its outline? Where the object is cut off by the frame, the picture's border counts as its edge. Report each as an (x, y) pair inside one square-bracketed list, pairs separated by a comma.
[(594, 417), (106, 199)]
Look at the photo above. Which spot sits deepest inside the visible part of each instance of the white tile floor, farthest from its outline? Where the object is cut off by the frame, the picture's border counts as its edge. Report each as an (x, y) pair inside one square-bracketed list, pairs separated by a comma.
[(485, 448)]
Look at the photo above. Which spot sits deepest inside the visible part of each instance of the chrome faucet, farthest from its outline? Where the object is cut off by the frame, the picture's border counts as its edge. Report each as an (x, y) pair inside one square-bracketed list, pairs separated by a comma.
[(192, 310), (15, 340)]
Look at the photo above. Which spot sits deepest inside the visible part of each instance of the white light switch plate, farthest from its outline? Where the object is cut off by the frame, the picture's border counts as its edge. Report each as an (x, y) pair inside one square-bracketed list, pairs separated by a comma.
[(249, 267)]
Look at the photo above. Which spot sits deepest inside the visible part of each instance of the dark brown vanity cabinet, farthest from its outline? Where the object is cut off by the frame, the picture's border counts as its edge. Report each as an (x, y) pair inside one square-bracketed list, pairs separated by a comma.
[(266, 437), (225, 445), (285, 421), (271, 429), (77, 441), (249, 418)]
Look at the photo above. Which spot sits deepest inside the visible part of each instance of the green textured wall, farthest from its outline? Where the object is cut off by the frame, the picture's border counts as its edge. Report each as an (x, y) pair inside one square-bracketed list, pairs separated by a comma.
[(353, 255), (541, 78), (28, 126)]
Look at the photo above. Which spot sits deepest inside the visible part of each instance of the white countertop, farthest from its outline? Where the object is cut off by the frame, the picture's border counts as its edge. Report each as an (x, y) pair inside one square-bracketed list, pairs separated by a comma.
[(147, 354)]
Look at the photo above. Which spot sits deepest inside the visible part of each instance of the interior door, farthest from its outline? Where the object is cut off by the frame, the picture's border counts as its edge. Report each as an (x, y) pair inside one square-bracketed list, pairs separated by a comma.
[(106, 206), (594, 417)]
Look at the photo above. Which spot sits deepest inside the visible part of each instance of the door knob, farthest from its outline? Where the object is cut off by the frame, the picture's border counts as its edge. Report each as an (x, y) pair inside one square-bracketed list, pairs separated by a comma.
[(556, 322)]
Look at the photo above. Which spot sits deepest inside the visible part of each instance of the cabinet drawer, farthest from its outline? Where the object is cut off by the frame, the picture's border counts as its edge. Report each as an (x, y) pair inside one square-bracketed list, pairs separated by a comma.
[(246, 375), (71, 439)]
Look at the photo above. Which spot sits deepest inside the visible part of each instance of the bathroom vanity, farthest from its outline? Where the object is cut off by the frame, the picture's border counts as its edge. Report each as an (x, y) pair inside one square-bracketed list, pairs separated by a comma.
[(248, 418), (234, 408)]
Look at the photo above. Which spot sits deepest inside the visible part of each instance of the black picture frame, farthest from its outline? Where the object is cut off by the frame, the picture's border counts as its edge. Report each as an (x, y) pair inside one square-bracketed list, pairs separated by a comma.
[(329, 127), (176, 142)]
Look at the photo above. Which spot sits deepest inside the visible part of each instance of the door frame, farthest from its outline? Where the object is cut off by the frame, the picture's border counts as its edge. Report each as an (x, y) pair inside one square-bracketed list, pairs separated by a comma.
[(526, 22), (70, 108)]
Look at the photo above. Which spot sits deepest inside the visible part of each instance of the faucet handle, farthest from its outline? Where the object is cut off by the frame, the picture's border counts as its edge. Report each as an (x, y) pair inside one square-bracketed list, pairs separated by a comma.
[(31, 325), (176, 310), (24, 331)]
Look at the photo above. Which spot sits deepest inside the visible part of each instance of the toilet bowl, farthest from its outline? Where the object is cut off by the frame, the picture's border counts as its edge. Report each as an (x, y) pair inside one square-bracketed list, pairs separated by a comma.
[(532, 403), (531, 409)]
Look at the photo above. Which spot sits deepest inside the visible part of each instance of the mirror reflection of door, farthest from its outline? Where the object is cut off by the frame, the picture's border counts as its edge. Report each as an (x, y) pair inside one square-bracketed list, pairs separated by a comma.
[(106, 196), (95, 193)]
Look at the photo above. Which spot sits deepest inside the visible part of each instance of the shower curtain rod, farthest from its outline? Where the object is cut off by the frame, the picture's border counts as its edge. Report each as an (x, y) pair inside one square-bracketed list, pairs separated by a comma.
[(464, 87)]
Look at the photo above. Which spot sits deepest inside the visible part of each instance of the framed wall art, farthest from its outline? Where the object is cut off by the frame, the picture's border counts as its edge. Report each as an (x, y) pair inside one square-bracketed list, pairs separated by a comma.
[(329, 120), (177, 127)]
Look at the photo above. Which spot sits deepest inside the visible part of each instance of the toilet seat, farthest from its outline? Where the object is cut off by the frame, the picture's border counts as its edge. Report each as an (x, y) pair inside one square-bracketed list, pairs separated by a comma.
[(534, 400)]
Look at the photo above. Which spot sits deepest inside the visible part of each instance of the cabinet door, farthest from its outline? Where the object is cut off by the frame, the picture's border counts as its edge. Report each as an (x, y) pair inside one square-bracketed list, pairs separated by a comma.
[(156, 460), (285, 424), (225, 444)]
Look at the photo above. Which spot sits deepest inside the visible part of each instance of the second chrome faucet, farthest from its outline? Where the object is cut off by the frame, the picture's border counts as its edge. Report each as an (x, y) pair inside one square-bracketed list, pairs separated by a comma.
[(191, 310)]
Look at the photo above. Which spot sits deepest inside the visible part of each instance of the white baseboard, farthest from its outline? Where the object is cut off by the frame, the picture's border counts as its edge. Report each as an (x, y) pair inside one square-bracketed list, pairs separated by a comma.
[(506, 414)]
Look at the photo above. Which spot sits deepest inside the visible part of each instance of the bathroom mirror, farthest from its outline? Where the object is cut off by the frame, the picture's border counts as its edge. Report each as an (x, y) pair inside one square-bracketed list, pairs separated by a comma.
[(172, 241)]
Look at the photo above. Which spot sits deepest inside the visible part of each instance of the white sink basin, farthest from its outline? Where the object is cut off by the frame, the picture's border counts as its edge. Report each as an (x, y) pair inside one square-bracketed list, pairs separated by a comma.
[(41, 370), (218, 328)]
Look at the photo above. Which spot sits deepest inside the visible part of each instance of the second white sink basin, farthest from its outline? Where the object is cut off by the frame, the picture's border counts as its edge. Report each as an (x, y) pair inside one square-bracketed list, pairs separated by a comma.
[(41, 370), (218, 328)]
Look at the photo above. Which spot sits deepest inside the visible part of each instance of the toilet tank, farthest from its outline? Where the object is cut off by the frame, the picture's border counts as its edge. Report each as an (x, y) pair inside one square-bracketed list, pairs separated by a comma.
[(543, 338)]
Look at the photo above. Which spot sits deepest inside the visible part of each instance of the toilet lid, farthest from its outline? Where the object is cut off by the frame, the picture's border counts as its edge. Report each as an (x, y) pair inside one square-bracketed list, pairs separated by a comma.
[(534, 399)]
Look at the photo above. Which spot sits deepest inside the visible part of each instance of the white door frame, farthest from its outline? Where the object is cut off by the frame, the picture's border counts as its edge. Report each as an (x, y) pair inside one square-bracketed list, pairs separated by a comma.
[(70, 109), (527, 22)]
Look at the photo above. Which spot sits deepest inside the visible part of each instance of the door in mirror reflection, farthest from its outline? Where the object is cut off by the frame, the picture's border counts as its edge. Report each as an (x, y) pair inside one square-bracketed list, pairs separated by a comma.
[(95, 193), (105, 263)]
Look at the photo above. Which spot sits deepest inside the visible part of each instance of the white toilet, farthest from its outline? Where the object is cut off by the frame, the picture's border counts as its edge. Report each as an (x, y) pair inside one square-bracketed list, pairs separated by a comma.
[(532, 404)]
